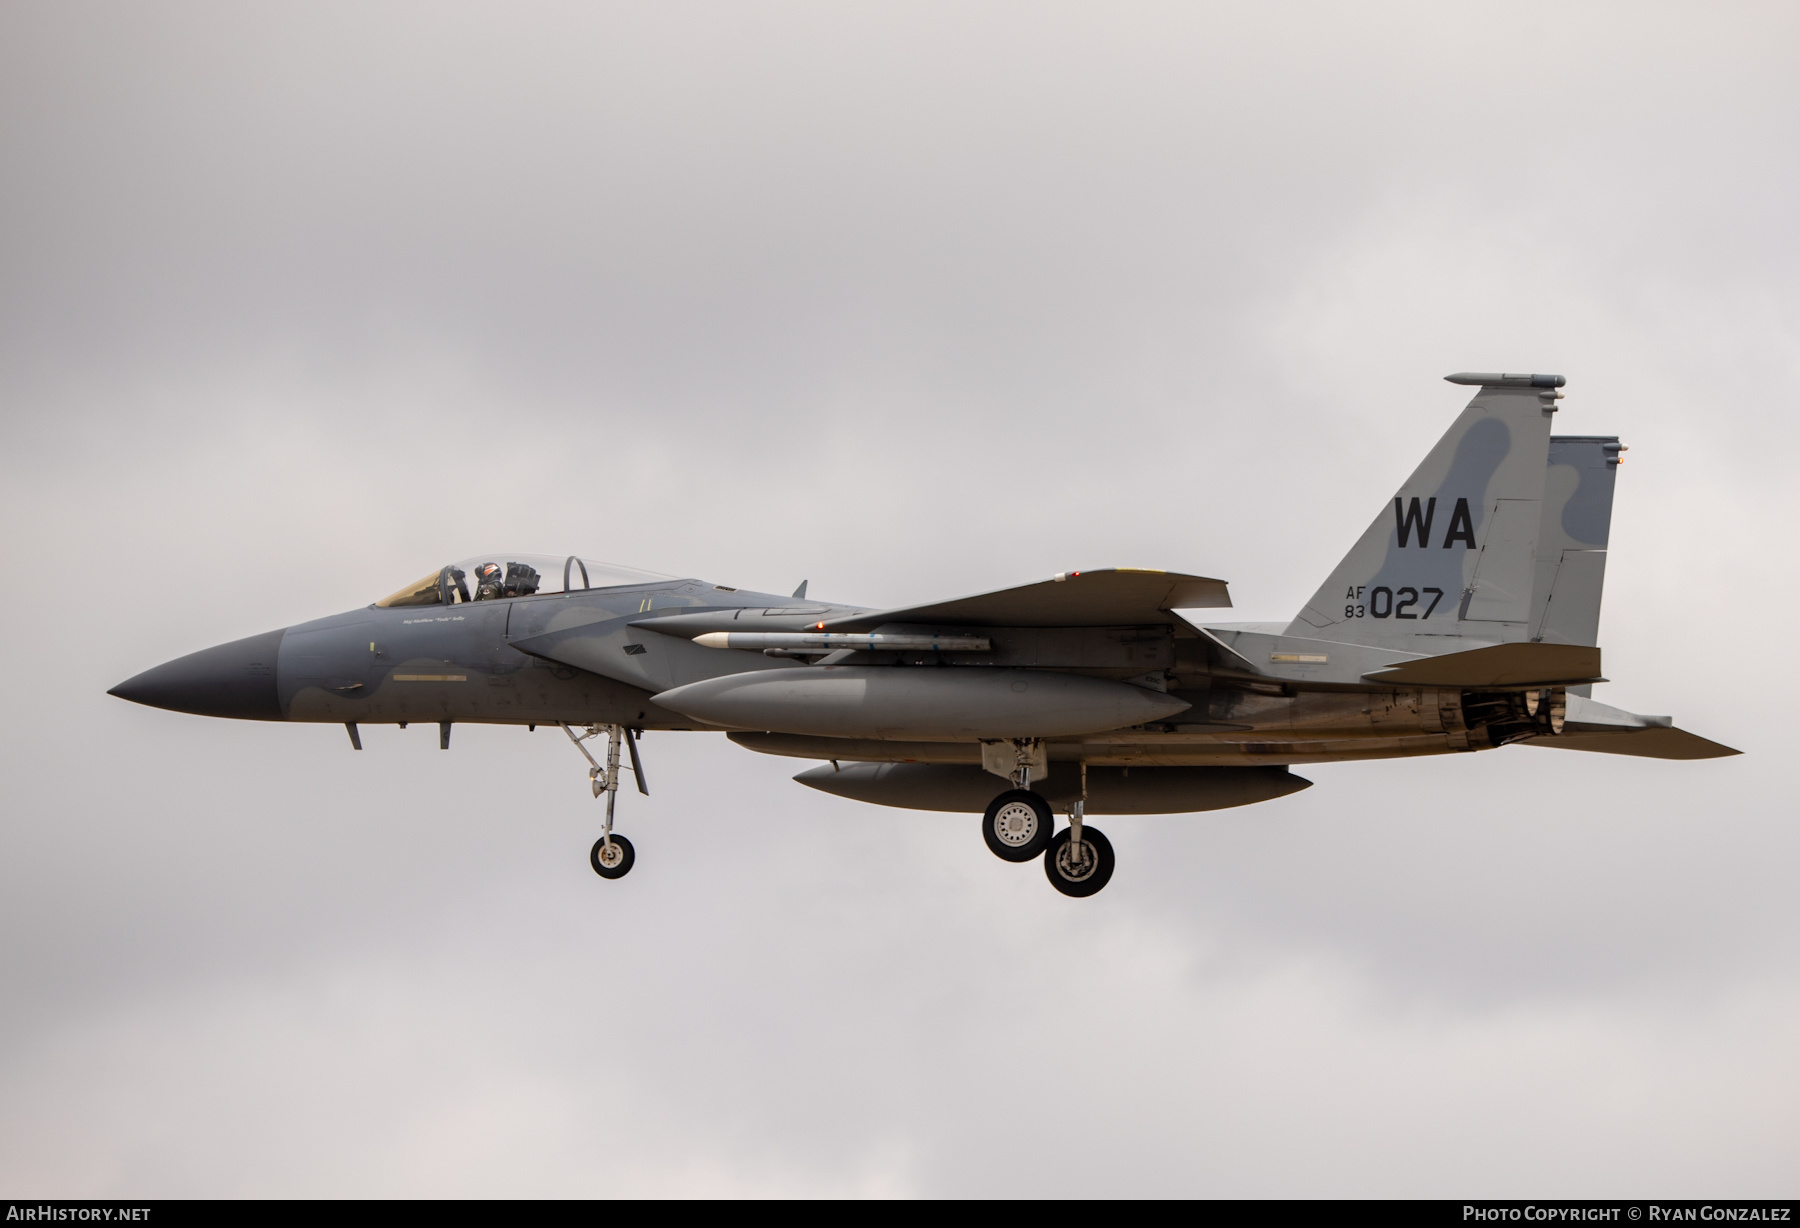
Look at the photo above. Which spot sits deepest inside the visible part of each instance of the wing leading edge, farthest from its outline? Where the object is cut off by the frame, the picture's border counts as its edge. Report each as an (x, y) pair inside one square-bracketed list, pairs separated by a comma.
[(1116, 596)]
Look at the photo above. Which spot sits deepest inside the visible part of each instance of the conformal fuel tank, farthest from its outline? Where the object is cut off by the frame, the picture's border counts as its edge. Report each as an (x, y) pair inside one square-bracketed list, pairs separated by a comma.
[(931, 702), (1111, 790)]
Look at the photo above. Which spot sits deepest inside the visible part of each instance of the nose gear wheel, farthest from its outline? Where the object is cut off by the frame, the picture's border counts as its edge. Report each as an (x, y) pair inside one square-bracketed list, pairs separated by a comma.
[(612, 856)]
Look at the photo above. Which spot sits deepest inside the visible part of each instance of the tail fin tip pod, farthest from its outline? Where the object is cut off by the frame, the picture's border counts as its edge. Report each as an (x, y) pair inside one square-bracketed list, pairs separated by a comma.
[(1487, 379), (1453, 554)]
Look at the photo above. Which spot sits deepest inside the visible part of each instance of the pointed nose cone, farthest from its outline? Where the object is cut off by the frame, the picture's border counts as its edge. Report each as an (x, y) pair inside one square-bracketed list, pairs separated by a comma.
[(235, 680)]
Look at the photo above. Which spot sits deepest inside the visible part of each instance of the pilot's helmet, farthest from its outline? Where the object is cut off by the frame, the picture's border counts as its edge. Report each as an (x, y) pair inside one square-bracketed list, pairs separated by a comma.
[(488, 571)]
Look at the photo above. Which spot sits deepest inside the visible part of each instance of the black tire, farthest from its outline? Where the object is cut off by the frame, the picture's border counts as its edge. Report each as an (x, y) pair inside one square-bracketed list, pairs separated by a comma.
[(624, 857), (1017, 825), (1098, 852)]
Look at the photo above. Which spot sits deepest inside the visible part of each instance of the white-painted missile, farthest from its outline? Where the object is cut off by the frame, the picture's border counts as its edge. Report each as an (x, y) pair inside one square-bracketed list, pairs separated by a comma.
[(922, 702), (831, 641)]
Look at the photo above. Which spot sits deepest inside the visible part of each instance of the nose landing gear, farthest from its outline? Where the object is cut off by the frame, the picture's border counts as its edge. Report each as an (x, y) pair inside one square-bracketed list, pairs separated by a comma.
[(612, 855)]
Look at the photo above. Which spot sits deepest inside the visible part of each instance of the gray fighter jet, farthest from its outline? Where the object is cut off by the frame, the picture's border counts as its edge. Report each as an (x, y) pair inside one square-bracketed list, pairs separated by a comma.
[(1464, 618)]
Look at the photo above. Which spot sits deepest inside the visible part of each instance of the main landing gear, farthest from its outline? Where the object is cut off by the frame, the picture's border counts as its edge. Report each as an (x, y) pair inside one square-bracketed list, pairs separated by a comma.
[(1079, 867), (1018, 826), (612, 855)]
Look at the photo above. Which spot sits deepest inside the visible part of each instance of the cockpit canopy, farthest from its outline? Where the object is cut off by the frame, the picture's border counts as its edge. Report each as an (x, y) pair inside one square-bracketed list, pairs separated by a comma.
[(502, 576)]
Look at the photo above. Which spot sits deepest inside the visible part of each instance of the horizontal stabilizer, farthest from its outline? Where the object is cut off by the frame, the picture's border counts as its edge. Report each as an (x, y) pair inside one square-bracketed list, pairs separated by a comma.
[(1115, 597), (1655, 742), (1499, 665)]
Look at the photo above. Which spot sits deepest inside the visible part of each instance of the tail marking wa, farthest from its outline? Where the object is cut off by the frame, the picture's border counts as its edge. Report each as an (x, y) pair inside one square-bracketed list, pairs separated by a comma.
[(1411, 519), (1460, 527)]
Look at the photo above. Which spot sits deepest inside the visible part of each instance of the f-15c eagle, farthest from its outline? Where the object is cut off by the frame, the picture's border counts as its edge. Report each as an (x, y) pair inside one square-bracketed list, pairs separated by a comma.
[(1465, 617)]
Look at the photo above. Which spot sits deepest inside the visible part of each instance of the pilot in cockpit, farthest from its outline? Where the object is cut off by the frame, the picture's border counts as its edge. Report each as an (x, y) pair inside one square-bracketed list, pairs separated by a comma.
[(490, 582)]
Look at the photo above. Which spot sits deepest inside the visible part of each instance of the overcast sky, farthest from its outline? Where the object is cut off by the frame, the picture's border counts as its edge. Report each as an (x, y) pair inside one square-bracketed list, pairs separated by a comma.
[(299, 302)]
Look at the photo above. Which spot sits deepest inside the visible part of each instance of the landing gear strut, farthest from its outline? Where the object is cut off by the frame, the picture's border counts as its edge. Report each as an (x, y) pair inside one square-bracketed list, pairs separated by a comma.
[(612, 855), (1079, 860), (1018, 823), (1079, 869)]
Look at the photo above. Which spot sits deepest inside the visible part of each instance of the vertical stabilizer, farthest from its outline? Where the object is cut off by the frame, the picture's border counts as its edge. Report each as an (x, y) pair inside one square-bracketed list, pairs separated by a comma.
[(1572, 538), (1452, 557)]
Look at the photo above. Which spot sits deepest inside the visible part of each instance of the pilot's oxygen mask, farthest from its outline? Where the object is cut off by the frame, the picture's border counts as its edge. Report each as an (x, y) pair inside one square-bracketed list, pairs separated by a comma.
[(490, 582)]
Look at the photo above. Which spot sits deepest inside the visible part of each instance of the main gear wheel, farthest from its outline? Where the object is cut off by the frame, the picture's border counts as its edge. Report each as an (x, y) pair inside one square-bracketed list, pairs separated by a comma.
[(1079, 873), (1017, 825)]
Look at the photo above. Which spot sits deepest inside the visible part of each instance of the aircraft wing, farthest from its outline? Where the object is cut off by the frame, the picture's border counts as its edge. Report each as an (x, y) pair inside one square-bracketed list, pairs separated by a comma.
[(1114, 597)]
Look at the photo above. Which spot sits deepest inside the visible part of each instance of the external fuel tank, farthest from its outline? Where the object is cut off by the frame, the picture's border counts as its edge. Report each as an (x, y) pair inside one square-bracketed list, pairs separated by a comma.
[(905, 702), (1110, 790)]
